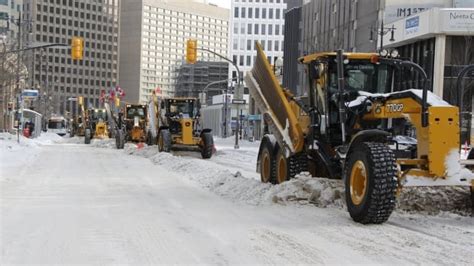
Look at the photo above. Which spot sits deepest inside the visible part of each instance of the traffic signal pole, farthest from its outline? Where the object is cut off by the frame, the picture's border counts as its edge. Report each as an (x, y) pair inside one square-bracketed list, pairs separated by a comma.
[(236, 146)]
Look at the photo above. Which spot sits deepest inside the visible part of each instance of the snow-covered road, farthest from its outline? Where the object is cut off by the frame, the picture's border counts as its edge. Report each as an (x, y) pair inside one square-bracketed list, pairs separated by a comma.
[(70, 203)]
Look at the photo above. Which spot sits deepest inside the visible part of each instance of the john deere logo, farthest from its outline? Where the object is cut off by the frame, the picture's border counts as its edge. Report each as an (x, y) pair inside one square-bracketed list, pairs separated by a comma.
[(187, 124), (378, 109)]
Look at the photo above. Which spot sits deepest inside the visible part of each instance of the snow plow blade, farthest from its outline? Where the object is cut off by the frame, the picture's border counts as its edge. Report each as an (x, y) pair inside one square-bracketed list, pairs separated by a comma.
[(278, 115)]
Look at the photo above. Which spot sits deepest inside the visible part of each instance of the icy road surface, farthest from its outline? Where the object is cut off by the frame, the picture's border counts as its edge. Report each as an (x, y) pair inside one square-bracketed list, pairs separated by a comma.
[(72, 203)]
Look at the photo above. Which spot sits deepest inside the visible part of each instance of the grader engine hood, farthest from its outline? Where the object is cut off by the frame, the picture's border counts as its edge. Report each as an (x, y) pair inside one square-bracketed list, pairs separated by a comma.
[(101, 130), (437, 143)]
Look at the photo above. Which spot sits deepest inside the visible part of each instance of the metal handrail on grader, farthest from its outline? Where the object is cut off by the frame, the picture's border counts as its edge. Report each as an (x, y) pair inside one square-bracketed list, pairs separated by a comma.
[(350, 128)]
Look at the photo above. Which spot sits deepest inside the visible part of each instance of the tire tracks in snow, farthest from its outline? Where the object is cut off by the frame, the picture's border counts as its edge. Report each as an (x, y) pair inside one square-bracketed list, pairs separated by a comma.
[(282, 248)]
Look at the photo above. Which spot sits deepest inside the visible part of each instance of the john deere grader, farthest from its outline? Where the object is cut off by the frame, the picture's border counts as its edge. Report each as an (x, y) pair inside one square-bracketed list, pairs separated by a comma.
[(356, 126), (180, 128)]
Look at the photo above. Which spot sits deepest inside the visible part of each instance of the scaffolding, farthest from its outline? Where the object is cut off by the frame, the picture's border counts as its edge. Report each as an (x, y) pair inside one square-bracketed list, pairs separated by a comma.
[(191, 79)]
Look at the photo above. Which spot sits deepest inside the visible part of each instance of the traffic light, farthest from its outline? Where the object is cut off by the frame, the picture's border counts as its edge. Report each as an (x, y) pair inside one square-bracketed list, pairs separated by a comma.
[(77, 48), (191, 51)]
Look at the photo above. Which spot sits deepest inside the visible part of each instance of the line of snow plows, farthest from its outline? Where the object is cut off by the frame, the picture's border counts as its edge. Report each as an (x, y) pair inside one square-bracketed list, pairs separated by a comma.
[(353, 123), (172, 123)]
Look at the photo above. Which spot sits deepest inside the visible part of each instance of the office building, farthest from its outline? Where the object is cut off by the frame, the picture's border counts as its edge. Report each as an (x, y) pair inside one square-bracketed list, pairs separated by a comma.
[(9, 13), (59, 78), (153, 40), (255, 21)]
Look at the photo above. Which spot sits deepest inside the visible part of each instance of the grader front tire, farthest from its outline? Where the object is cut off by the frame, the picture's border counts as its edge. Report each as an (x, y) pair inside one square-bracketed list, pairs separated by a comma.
[(282, 167), (371, 182)]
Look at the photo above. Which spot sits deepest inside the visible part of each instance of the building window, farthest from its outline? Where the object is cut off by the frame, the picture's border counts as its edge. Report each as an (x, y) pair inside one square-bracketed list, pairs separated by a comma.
[(248, 60), (256, 29), (250, 12), (234, 44), (270, 13), (236, 12), (263, 29), (242, 12), (277, 15), (257, 12), (264, 13), (270, 29), (277, 29), (241, 63), (236, 28), (249, 45), (249, 28)]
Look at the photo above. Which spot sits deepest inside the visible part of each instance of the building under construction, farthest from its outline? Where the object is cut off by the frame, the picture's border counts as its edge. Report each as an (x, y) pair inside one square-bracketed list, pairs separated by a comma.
[(192, 79)]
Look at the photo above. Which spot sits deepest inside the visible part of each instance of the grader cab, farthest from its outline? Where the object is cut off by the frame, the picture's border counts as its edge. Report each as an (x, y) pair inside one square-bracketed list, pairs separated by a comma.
[(356, 126)]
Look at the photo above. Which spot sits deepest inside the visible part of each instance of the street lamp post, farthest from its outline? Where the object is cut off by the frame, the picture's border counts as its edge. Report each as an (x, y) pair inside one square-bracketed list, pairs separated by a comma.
[(382, 32), (236, 146)]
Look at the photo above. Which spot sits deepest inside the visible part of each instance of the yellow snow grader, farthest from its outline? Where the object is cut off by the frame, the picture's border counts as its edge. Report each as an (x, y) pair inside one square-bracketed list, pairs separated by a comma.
[(355, 125), (132, 124), (91, 123), (99, 123), (180, 127)]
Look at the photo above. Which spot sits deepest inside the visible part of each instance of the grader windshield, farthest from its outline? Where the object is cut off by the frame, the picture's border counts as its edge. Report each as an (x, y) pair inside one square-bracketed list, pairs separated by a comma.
[(362, 75), (184, 107)]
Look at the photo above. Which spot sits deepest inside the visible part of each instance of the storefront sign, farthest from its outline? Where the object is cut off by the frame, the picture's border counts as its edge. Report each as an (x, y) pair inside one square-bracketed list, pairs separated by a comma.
[(396, 12), (412, 25), (458, 20)]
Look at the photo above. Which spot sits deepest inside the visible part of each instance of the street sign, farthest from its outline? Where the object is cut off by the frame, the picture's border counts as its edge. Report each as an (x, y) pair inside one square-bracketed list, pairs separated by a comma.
[(254, 117), (239, 92), (30, 94), (237, 101)]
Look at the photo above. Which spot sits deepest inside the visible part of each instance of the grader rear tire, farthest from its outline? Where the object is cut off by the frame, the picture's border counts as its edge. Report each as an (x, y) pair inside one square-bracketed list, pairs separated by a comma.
[(282, 167), (119, 139), (267, 163), (164, 141), (207, 145), (87, 136), (371, 182)]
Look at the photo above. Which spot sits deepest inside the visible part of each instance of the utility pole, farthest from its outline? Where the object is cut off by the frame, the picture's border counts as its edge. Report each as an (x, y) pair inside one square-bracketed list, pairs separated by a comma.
[(17, 90)]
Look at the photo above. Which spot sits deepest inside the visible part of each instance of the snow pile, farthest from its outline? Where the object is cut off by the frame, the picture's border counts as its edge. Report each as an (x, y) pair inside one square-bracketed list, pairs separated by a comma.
[(140, 149), (303, 189), (49, 138), (103, 143), (454, 169), (434, 200), (233, 185), (74, 140), (9, 141), (321, 192), (432, 99)]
